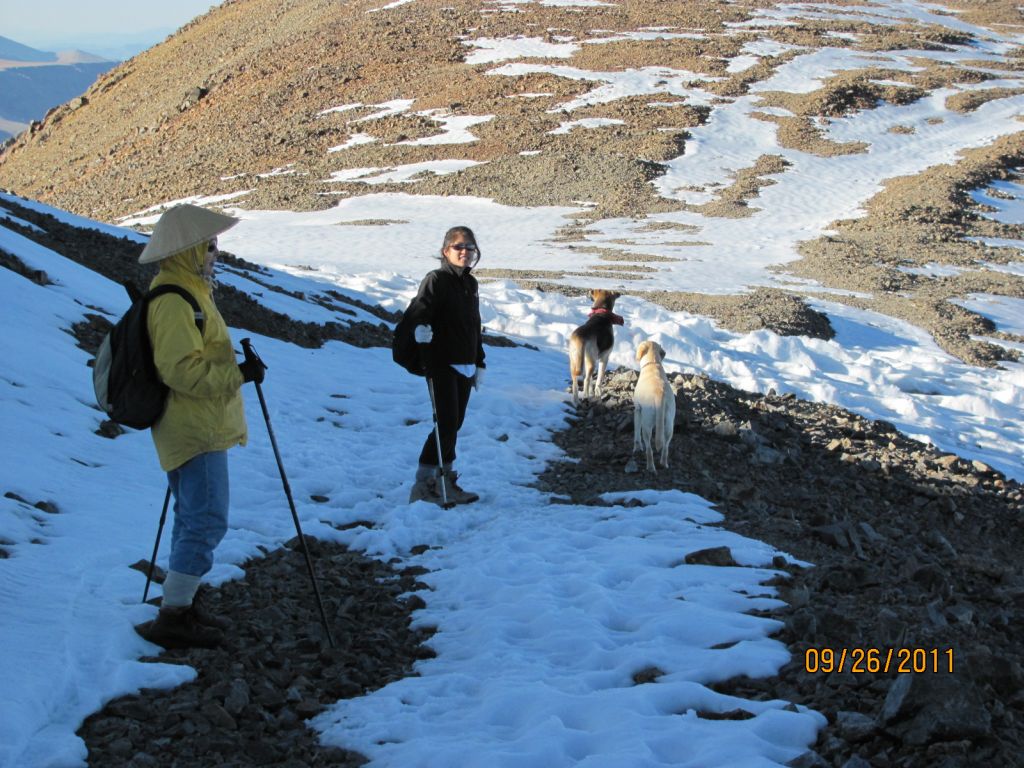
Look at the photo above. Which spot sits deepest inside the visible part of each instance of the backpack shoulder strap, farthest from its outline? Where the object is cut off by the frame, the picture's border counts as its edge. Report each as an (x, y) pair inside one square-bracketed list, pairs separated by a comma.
[(134, 294), (166, 288)]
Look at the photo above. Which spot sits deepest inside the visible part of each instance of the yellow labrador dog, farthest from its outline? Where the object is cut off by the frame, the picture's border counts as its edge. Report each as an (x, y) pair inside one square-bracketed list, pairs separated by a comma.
[(654, 405)]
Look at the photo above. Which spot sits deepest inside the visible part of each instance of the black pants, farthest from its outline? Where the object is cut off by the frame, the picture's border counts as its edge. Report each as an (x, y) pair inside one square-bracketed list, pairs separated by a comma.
[(451, 394)]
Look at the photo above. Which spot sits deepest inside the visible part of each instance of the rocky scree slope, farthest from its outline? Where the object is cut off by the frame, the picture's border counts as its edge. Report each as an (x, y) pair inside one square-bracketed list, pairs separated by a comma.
[(911, 548)]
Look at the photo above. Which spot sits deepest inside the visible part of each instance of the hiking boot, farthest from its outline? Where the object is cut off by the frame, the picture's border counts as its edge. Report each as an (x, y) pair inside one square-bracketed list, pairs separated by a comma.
[(425, 490), (456, 493), (179, 628), (203, 614)]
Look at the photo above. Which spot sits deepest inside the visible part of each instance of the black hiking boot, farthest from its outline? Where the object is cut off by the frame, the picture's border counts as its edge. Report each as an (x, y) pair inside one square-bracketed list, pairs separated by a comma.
[(203, 614), (179, 628)]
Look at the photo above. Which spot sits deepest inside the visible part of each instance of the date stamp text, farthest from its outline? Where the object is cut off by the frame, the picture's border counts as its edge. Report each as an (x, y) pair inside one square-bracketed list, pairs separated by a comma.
[(884, 660)]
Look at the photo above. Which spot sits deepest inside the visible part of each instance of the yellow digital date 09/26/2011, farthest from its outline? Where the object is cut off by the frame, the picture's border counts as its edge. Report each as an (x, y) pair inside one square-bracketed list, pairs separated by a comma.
[(884, 660)]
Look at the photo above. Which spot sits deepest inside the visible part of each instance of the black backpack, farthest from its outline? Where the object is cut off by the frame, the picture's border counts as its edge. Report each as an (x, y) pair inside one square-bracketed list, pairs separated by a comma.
[(404, 349), (124, 376)]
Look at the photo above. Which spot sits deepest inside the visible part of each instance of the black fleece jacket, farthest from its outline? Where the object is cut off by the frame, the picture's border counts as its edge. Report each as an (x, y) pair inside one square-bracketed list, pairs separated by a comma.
[(449, 302)]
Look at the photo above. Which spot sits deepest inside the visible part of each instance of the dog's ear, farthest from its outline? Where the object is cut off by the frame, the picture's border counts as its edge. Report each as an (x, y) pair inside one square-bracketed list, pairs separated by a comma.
[(641, 350), (661, 352)]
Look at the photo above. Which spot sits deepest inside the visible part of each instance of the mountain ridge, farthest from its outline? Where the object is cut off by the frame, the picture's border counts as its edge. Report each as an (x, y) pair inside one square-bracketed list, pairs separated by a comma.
[(12, 50), (32, 82), (292, 106), (14, 54)]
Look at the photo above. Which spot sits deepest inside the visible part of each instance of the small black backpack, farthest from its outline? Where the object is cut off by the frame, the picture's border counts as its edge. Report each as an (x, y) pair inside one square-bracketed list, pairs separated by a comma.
[(124, 376), (404, 349)]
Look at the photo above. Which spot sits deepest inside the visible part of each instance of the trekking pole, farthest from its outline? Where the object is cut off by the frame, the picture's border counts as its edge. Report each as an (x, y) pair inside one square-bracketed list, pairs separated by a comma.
[(251, 353), (445, 504), (156, 545)]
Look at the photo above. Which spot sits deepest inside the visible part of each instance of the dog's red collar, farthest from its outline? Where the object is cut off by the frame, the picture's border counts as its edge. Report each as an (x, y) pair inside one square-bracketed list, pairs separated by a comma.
[(616, 319)]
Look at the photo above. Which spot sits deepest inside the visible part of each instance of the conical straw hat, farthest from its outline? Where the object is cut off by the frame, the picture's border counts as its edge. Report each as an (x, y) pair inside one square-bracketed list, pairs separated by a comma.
[(182, 227)]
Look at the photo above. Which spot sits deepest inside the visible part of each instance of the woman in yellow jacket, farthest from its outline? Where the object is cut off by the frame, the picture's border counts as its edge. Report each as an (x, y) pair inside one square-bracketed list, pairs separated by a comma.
[(204, 415)]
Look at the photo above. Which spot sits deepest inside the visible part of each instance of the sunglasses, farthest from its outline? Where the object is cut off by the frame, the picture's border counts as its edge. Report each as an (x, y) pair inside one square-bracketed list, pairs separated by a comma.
[(463, 247), (212, 247)]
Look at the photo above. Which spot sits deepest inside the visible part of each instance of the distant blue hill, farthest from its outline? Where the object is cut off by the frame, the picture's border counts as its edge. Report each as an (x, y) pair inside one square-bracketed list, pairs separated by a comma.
[(12, 50), (28, 93), (33, 82)]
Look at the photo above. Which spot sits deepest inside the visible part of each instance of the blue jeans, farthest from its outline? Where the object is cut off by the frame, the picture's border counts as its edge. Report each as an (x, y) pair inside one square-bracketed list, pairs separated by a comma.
[(200, 488)]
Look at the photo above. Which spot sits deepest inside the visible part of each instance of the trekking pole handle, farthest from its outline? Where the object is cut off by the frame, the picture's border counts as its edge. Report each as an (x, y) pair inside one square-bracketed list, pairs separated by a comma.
[(250, 352)]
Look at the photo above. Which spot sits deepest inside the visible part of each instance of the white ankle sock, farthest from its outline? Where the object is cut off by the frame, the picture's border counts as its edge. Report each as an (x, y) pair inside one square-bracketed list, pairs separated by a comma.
[(179, 589)]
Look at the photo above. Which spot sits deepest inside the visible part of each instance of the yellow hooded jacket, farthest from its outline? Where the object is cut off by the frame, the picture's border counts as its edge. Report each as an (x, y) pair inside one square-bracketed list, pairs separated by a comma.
[(204, 407)]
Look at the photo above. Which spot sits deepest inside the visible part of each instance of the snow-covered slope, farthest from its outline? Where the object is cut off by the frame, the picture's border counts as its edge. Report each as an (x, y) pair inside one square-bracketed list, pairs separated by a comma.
[(529, 663)]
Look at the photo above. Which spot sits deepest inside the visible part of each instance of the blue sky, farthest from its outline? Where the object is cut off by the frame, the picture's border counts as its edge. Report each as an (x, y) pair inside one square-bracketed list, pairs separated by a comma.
[(118, 28)]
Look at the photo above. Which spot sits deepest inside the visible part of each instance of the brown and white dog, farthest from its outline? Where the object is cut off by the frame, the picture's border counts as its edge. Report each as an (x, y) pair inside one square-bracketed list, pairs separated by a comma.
[(654, 405), (591, 344)]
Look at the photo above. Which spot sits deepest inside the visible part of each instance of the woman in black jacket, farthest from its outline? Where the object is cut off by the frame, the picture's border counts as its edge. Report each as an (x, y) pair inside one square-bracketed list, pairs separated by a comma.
[(446, 316)]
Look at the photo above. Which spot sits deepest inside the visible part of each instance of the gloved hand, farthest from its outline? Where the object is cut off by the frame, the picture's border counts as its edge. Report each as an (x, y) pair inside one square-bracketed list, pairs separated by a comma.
[(251, 371), (252, 368), (478, 378), (423, 334)]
